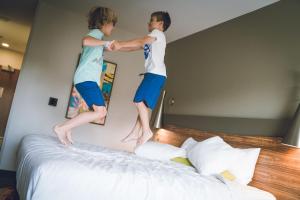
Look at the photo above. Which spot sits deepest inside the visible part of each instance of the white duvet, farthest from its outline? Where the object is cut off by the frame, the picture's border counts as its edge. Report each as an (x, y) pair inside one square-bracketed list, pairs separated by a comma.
[(48, 170)]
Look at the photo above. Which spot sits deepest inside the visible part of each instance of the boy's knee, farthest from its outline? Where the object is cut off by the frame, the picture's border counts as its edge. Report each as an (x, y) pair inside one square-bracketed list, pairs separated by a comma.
[(100, 110), (102, 113), (137, 104)]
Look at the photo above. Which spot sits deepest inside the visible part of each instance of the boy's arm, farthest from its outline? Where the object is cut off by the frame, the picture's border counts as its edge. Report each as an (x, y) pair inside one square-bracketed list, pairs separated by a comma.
[(134, 44), (91, 41), (130, 48)]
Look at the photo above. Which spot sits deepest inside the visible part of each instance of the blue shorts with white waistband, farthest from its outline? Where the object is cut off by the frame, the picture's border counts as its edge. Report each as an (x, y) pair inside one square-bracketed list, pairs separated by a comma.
[(91, 93), (150, 90)]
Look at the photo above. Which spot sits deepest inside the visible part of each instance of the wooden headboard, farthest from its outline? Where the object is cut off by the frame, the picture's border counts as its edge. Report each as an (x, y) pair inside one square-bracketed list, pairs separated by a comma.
[(278, 167)]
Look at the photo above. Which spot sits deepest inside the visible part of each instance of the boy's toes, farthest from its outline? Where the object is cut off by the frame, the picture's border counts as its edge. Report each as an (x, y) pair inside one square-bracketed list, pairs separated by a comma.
[(62, 141), (69, 137), (60, 134)]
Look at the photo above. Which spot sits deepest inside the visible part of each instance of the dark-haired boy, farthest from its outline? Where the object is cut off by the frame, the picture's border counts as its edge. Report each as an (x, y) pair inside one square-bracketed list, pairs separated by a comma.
[(147, 94)]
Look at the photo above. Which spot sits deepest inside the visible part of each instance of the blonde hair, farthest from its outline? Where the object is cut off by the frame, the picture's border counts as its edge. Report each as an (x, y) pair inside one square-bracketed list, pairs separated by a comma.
[(98, 16)]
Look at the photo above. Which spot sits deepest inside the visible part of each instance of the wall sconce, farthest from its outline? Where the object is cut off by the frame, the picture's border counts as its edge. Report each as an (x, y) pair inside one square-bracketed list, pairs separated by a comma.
[(293, 136), (157, 121), (1, 91)]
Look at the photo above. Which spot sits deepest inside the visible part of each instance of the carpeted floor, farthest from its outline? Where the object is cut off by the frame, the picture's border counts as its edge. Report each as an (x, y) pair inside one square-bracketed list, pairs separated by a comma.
[(8, 186)]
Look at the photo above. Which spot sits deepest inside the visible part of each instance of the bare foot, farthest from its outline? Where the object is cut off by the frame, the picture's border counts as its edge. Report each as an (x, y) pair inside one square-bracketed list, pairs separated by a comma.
[(69, 137), (132, 136), (144, 138), (61, 134)]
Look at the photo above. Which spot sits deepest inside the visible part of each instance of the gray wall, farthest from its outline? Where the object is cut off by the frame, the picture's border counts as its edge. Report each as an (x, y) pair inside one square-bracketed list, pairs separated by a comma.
[(48, 70), (245, 71)]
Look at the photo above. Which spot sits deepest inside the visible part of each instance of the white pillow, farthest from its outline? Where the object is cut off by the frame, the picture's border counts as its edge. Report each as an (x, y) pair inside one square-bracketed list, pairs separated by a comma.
[(189, 144), (212, 156), (244, 167), (158, 151)]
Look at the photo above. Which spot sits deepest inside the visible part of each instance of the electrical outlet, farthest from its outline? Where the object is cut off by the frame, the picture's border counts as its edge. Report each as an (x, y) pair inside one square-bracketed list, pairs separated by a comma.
[(52, 101)]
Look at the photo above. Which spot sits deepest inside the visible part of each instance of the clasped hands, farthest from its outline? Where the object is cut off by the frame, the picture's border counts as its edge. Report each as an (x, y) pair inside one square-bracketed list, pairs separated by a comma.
[(114, 45)]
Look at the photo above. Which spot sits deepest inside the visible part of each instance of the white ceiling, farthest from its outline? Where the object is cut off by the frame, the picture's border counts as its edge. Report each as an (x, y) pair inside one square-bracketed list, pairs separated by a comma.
[(188, 17), (16, 17), (15, 34)]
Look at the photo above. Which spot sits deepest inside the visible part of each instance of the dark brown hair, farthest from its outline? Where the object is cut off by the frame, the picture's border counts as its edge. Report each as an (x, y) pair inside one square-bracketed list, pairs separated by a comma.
[(164, 17), (98, 16)]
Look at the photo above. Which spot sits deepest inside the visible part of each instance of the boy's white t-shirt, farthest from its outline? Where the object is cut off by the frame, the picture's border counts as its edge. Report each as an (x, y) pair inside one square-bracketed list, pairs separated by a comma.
[(155, 54)]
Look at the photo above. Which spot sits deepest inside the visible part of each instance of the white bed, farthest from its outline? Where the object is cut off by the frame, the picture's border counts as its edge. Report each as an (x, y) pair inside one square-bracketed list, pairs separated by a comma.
[(49, 171)]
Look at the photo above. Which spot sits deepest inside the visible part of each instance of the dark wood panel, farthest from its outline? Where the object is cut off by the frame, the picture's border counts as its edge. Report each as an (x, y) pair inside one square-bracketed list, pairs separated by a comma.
[(278, 166), (7, 178), (8, 80)]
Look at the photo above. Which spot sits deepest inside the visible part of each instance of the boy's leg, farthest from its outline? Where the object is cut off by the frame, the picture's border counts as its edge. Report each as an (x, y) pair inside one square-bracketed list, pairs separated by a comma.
[(134, 133), (144, 116), (63, 131)]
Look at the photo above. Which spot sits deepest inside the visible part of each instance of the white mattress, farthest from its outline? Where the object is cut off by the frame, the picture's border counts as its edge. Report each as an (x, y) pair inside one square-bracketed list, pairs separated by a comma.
[(48, 170)]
